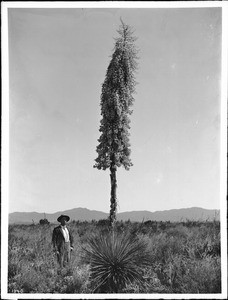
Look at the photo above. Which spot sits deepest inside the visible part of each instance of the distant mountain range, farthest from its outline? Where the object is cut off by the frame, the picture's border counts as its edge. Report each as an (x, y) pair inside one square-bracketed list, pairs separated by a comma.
[(84, 214)]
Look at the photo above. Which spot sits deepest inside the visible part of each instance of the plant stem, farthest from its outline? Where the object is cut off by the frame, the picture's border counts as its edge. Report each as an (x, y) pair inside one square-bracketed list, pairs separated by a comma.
[(113, 200)]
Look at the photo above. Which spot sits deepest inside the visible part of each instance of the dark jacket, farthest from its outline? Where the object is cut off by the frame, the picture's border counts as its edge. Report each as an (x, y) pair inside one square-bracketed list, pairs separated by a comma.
[(58, 238)]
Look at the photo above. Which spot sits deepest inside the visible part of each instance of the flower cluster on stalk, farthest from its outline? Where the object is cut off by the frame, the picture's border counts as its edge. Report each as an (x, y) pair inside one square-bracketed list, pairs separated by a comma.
[(116, 102)]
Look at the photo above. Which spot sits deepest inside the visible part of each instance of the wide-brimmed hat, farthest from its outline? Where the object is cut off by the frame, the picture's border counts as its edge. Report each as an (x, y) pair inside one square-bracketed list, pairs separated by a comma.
[(63, 216)]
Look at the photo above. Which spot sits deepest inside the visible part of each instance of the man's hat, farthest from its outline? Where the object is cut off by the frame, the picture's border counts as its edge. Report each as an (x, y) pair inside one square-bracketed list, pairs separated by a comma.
[(63, 216)]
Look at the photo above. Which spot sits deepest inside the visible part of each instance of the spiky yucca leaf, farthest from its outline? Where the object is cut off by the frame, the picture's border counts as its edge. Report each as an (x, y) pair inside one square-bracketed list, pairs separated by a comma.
[(116, 260)]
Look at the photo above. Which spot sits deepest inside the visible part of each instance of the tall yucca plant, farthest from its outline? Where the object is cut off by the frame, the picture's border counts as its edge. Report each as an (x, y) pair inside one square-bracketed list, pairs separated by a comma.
[(116, 260), (116, 101)]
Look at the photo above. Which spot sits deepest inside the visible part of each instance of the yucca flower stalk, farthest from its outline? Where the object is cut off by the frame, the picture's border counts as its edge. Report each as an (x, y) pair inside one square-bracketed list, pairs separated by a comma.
[(116, 260), (116, 107)]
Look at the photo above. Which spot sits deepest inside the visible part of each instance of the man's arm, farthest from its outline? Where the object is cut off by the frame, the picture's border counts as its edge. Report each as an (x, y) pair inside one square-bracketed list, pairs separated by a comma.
[(71, 239)]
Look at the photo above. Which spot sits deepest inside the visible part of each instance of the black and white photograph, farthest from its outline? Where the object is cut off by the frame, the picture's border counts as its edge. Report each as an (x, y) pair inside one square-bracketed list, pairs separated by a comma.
[(114, 150)]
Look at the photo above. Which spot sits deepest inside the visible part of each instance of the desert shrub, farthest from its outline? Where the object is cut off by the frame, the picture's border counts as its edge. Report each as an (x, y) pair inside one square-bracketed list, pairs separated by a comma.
[(135, 228), (115, 260), (196, 276), (152, 226), (148, 223), (162, 225), (180, 258), (179, 231), (44, 222), (163, 246), (184, 260), (32, 266), (201, 243), (84, 231), (71, 280), (13, 270), (120, 227), (103, 222)]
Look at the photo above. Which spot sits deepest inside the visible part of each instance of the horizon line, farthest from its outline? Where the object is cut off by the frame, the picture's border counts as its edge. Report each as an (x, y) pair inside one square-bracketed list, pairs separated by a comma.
[(59, 211)]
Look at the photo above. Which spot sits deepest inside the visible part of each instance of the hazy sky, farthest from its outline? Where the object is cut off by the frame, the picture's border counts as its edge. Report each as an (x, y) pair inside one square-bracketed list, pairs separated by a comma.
[(58, 60)]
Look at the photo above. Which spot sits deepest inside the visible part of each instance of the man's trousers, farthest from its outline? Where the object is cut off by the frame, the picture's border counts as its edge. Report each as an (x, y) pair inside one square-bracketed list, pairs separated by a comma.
[(63, 256)]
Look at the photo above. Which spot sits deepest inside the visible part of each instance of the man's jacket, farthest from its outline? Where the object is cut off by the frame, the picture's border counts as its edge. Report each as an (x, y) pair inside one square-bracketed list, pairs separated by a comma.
[(58, 238)]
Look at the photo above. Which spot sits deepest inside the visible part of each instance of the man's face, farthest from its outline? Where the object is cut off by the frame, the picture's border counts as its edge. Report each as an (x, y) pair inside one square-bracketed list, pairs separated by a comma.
[(63, 221)]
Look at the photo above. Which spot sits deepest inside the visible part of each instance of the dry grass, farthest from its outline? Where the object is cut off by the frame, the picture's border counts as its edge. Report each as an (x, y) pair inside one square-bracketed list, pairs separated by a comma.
[(183, 258)]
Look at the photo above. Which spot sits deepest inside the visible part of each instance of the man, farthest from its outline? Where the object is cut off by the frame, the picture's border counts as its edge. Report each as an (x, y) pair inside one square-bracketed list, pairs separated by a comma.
[(62, 241)]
